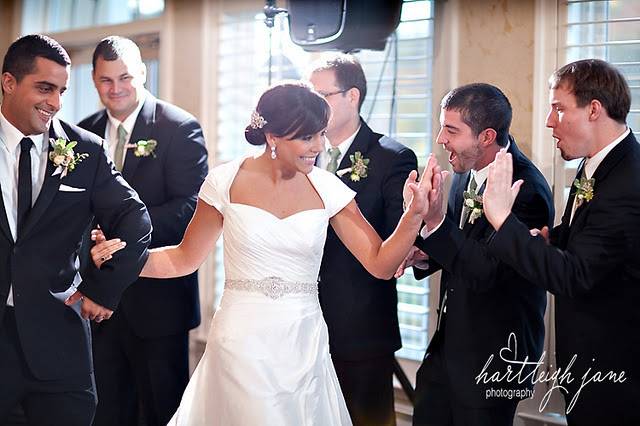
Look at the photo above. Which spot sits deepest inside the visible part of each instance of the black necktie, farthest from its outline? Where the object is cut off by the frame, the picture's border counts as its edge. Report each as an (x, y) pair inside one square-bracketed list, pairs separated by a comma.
[(24, 182)]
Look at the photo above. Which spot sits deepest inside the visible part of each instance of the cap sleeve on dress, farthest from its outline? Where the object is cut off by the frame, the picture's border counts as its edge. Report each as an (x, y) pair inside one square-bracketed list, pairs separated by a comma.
[(215, 189), (334, 193), (209, 191)]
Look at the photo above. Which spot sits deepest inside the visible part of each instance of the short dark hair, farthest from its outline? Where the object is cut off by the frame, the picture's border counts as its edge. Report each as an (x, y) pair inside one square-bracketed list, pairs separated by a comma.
[(291, 109), (481, 106), (21, 55), (348, 72), (113, 48), (591, 79)]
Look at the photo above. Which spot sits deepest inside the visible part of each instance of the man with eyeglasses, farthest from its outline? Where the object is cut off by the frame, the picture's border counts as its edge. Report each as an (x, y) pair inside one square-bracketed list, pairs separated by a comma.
[(360, 310)]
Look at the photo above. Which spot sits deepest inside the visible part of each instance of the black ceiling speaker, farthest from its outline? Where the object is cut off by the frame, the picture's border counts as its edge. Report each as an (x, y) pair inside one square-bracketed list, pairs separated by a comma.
[(345, 25)]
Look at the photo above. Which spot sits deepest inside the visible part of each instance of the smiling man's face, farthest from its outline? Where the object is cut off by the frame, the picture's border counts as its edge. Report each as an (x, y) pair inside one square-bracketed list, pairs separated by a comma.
[(31, 103)]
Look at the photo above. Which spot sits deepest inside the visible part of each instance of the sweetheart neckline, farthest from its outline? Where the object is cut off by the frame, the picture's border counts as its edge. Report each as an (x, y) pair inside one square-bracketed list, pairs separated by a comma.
[(273, 215)]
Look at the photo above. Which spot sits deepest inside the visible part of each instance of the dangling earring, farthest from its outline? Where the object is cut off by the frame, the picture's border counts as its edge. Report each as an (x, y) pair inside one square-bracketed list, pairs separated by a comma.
[(273, 152)]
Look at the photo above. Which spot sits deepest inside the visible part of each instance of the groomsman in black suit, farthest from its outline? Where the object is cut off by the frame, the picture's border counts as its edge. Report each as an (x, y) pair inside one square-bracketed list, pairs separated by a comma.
[(142, 354), (361, 310), (591, 261), (485, 305), (50, 194)]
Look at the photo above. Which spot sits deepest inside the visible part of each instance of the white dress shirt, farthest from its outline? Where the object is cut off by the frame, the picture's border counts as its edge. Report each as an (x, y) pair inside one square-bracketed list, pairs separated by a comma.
[(111, 131), (324, 158), (10, 138)]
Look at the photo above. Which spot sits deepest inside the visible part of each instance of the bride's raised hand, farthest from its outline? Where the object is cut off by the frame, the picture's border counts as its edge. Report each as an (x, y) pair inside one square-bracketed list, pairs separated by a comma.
[(419, 192), (104, 249)]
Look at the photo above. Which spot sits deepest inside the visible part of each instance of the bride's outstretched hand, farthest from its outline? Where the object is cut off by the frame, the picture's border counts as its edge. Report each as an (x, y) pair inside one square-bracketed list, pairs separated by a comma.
[(104, 249)]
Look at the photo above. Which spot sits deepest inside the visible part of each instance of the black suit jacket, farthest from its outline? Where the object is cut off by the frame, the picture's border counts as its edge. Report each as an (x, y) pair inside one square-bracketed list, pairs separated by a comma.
[(593, 269), (168, 184), (54, 338), (487, 300), (361, 310)]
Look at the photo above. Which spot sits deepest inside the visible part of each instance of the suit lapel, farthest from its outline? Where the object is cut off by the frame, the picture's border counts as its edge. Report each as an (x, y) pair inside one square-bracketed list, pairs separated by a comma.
[(604, 168), (456, 198), (142, 130), (50, 185), (612, 159), (100, 125)]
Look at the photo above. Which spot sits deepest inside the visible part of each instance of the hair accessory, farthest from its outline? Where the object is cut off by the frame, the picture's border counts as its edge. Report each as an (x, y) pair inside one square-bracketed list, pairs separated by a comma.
[(257, 121)]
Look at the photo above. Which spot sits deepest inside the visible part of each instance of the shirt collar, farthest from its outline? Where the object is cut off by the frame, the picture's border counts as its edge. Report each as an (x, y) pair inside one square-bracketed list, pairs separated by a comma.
[(481, 175), (591, 164), (344, 145), (11, 136), (130, 121)]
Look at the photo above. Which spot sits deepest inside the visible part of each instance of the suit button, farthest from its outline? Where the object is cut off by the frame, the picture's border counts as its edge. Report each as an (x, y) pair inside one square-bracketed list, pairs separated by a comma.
[(451, 290), (15, 250)]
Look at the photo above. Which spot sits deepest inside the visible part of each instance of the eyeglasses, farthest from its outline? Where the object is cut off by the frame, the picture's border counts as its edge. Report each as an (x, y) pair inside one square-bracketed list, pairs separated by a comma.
[(326, 95)]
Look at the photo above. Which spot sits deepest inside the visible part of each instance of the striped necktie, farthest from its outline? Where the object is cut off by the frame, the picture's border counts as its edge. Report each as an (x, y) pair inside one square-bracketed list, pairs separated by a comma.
[(334, 154)]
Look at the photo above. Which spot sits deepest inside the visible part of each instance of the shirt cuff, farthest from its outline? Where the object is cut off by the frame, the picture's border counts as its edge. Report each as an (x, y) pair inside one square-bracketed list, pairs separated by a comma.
[(425, 233), (422, 264)]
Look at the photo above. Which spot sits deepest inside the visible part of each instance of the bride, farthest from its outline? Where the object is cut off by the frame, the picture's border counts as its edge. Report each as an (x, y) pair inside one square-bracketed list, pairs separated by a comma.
[(267, 358)]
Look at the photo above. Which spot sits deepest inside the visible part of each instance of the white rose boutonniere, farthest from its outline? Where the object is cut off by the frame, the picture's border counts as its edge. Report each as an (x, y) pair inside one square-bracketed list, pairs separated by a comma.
[(143, 148), (584, 190), (359, 167), (63, 156), (473, 203)]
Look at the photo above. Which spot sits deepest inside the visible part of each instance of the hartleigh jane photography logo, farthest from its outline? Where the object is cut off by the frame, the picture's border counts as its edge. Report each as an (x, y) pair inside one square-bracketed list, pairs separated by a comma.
[(525, 372)]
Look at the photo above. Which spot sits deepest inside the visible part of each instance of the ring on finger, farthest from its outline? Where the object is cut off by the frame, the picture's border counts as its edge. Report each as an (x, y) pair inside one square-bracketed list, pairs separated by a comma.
[(103, 258)]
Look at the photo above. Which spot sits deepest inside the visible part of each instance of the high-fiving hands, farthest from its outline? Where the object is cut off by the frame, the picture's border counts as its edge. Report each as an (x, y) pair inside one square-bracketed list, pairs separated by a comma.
[(416, 194), (432, 205), (433, 211), (500, 194)]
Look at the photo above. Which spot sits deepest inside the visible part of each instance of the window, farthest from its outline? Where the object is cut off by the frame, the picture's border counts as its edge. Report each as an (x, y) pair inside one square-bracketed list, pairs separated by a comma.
[(608, 30), (244, 46), (398, 104), (49, 16), (73, 24)]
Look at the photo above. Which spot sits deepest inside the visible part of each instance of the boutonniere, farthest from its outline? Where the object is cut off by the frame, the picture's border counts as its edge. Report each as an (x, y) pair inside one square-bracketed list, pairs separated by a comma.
[(63, 156), (143, 148), (473, 203), (358, 169), (584, 190)]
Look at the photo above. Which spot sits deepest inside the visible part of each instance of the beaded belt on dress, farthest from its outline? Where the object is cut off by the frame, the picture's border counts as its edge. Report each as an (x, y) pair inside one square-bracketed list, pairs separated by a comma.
[(273, 287)]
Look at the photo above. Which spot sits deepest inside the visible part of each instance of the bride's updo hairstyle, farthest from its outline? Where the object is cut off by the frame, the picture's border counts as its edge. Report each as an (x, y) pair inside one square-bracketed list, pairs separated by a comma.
[(290, 109)]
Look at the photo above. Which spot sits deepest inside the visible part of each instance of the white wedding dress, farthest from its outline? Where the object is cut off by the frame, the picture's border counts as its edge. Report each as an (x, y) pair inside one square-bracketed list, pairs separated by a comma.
[(267, 358)]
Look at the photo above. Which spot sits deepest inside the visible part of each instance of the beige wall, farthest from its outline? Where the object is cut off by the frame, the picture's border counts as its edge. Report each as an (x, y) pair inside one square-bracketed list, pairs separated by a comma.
[(8, 24), (489, 41)]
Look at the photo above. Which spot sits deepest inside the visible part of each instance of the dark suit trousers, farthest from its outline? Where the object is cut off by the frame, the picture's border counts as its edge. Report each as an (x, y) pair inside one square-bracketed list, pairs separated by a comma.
[(603, 403), (68, 403), (435, 405), (367, 386), (139, 380)]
